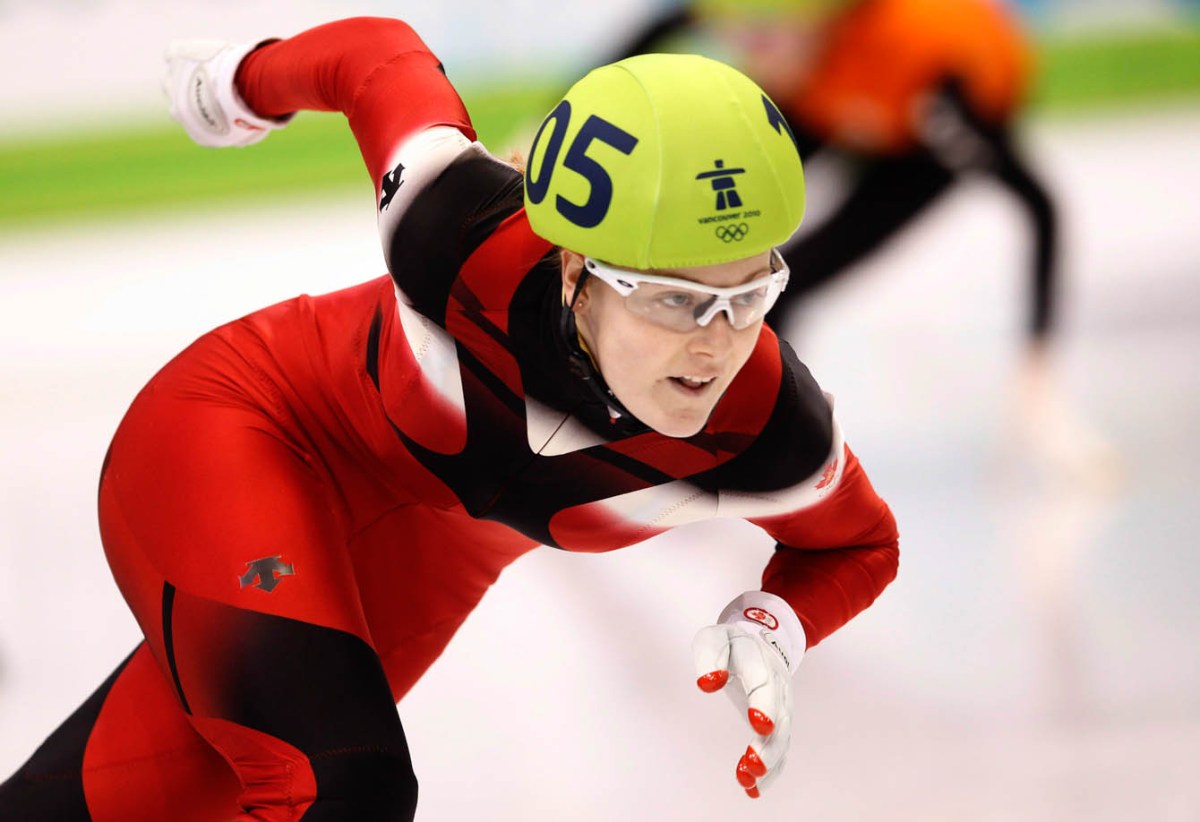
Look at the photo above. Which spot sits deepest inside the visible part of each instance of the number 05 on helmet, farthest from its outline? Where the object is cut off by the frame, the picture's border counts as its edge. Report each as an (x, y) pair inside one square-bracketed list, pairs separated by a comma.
[(665, 161)]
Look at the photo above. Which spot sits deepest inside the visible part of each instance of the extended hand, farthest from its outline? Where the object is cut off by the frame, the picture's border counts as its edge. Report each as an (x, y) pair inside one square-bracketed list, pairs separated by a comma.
[(757, 642)]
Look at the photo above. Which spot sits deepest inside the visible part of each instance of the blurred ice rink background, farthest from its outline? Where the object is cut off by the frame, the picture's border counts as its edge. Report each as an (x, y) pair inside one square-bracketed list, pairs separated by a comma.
[(1038, 657)]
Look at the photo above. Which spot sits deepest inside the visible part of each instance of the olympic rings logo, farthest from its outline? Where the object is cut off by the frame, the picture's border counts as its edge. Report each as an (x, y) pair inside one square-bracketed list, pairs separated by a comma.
[(733, 233)]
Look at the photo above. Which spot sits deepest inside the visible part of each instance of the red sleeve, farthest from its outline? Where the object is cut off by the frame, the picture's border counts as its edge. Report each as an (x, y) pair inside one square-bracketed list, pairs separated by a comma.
[(834, 558), (375, 70)]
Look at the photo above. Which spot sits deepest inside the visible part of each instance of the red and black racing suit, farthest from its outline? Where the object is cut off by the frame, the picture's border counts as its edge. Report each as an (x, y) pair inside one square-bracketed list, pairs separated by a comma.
[(304, 505)]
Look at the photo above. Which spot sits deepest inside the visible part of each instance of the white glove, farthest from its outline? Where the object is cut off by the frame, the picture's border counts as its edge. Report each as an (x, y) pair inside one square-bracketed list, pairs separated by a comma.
[(201, 96), (758, 640)]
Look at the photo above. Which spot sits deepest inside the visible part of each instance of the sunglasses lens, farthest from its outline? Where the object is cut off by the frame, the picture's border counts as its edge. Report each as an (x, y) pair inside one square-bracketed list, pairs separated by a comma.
[(677, 305), (684, 309)]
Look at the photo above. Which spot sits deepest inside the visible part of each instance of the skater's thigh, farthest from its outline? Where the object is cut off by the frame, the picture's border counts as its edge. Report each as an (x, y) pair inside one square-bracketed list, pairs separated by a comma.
[(228, 541)]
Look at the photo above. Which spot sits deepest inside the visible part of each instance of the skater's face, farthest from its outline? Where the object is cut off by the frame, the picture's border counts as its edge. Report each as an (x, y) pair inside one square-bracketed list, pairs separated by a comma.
[(670, 378)]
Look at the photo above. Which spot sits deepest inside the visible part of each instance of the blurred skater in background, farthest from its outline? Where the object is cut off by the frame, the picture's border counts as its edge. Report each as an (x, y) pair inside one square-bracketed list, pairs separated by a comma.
[(908, 98), (915, 93)]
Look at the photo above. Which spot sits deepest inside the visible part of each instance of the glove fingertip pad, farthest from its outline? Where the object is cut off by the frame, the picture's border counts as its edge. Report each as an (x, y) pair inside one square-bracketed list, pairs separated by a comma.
[(744, 777), (760, 722), (754, 763)]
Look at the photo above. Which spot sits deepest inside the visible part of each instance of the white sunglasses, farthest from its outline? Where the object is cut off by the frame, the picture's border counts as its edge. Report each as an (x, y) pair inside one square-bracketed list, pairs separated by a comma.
[(683, 305)]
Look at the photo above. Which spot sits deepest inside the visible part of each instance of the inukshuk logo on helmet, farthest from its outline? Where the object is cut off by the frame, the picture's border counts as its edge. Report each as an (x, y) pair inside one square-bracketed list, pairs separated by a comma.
[(729, 204), (724, 184)]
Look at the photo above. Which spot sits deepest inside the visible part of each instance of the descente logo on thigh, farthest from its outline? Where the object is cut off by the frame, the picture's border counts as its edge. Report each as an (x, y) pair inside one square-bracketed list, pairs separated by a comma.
[(269, 571)]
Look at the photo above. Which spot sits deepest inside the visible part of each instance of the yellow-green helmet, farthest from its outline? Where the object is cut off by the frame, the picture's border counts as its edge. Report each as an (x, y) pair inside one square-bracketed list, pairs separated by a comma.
[(665, 161)]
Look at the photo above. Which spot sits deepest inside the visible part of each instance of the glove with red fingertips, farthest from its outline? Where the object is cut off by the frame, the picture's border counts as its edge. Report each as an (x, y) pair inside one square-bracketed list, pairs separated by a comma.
[(758, 642), (203, 97)]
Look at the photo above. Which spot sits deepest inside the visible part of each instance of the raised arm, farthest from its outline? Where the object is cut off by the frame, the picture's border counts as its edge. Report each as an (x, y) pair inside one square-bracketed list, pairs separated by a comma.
[(375, 70), (410, 124)]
